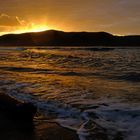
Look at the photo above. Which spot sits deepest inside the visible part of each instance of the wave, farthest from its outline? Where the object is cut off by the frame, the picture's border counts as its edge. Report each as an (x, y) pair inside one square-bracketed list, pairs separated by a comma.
[(23, 69), (130, 76), (79, 103), (12, 48), (47, 71), (102, 119), (40, 49)]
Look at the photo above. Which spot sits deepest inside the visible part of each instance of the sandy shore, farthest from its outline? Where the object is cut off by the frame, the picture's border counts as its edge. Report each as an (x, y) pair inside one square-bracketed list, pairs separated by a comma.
[(9, 130)]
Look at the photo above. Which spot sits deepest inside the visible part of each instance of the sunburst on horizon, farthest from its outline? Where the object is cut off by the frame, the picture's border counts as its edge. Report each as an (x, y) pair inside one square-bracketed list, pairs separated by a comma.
[(37, 28), (30, 28)]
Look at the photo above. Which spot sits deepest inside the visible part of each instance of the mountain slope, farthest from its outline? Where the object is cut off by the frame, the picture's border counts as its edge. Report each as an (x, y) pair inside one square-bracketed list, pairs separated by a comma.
[(60, 38)]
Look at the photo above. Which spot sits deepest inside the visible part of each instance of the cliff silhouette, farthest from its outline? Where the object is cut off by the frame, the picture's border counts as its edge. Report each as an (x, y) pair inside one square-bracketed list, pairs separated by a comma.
[(60, 38)]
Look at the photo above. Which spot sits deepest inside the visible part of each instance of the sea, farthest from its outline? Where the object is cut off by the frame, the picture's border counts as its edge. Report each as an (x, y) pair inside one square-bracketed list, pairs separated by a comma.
[(86, 89)]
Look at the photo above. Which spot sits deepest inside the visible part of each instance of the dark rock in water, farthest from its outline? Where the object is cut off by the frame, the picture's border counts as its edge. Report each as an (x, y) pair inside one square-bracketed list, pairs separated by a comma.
[(17, 110)]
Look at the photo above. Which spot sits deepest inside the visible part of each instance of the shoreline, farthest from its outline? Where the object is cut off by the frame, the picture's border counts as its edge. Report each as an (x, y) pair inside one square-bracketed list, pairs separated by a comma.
[(9, 130)]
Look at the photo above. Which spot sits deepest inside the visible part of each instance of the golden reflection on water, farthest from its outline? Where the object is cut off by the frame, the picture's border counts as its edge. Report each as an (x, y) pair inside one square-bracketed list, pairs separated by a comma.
[(98, 84), (59, 75)]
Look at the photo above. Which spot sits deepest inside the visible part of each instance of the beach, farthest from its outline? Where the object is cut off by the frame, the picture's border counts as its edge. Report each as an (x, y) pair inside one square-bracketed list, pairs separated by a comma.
[(10, 130)]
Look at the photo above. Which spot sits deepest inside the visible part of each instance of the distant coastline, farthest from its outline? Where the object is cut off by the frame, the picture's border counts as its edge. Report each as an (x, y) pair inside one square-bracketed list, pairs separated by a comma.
[(60, 38)]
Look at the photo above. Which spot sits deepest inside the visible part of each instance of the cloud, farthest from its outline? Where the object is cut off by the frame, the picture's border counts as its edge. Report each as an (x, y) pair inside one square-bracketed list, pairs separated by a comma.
[(6, 20), (72, 15), (11, 23)]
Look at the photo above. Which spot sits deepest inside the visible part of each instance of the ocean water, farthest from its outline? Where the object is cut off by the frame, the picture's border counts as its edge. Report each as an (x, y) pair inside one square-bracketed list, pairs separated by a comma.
[(87, 89)]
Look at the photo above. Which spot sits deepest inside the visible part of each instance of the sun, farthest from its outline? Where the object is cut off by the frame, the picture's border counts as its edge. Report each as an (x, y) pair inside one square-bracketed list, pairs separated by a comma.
[(32, 28), (38, 28)]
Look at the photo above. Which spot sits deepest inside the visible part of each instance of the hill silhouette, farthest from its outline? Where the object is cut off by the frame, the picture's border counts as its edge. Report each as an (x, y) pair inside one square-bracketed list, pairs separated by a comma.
[(60, 38)]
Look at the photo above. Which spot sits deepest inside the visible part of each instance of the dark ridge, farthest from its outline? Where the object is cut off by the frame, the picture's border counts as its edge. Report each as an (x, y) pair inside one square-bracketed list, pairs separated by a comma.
[(60, 38)]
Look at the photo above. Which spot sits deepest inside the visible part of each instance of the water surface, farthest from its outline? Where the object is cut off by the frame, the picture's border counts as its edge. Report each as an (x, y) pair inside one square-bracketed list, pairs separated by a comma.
[(77, 87)]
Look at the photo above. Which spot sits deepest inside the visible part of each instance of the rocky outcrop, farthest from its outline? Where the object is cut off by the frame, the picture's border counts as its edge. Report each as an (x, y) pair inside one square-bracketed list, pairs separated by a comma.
[(15, 109)]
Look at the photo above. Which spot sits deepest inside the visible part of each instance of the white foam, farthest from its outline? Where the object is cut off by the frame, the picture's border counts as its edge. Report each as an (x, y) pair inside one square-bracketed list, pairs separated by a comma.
[(111, 115)]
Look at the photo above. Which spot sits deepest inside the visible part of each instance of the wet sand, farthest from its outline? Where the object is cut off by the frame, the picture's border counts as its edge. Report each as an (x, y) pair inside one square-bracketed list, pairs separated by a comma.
[(10, 130)]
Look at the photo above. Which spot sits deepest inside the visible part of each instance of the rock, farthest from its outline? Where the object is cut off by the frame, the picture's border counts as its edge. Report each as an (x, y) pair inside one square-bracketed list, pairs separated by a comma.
[(15, 109)]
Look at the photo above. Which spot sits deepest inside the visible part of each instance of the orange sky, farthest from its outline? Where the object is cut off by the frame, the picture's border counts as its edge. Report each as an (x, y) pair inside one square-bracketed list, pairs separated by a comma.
[(114, 16)]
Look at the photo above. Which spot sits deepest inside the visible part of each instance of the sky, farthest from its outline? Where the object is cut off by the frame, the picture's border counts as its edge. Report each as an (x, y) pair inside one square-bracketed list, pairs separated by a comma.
[(121, 17)]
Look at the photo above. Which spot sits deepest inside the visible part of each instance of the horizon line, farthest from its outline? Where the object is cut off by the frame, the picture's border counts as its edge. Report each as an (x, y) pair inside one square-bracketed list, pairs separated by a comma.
[(18, 33)]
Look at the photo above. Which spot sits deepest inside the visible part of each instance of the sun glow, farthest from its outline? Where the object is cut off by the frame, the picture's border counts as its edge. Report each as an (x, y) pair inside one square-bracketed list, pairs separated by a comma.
[(33, 28), (28, 28), (37, 28)]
